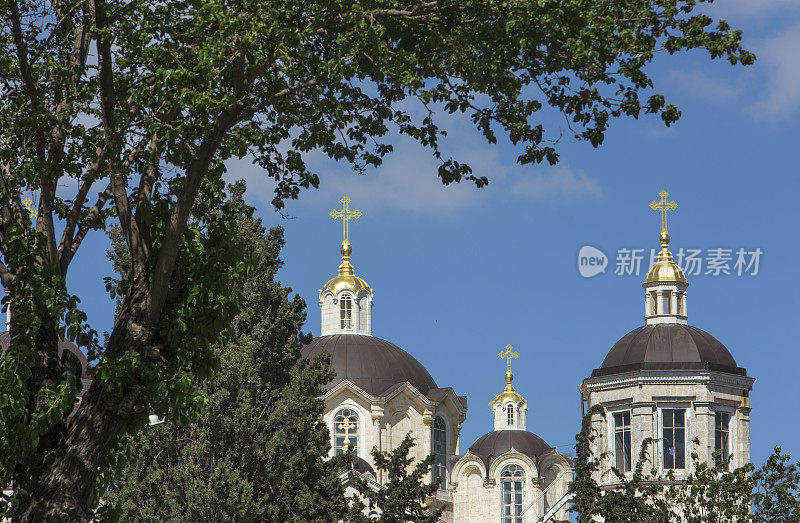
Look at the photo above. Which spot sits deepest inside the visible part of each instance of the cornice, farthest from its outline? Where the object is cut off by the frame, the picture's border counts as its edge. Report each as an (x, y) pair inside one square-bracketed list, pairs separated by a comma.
[(642, 378)]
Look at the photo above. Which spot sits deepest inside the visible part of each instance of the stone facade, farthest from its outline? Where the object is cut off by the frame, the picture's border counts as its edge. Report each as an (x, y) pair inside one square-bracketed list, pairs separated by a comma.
[(478, 496), (647, 394)]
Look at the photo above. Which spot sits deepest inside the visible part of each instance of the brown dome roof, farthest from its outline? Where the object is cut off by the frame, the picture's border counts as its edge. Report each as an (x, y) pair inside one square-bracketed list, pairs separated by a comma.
[(371, 363), (74, 355), (499, 442), (668, 346)]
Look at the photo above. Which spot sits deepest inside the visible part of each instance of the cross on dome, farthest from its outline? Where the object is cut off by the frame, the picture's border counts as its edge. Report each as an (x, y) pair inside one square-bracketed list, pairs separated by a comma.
[(508, 355), (663, 206), (28, 203), (345, 214)]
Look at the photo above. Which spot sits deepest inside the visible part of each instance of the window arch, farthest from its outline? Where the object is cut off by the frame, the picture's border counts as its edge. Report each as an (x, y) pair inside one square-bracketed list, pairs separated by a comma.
[(440, 448), (345, 431), (346, 312), (512, 481), (510, 413)]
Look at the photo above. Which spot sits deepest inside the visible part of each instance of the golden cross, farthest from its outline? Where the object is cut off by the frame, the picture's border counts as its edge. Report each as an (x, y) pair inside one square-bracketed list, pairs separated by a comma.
[(347, 426), (345, 214), (663, 205), (28, 203), (508, 354)]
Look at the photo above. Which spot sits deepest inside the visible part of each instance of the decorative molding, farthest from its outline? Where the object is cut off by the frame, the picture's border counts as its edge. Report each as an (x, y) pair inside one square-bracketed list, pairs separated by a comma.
[(640, 378)]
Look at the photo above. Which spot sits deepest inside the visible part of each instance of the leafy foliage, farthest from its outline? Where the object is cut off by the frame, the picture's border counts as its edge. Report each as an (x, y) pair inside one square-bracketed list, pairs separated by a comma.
[(405, 497), (708, 494), (125, 111), (257, 451)]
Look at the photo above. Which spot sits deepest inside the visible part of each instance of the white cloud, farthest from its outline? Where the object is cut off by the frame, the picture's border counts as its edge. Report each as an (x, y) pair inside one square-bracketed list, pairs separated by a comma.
[(700, 84), (780, 58), (408, 179), (725, 8), (557, 184)]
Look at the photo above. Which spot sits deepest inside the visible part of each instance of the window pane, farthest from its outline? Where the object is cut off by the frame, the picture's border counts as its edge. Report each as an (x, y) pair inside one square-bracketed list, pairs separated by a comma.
[(669, 450), (680, 451), (627, 450)]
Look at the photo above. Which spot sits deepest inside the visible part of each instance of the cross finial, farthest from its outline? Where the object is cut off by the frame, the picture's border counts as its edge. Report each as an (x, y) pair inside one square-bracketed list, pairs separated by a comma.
[(346, 214), (663, 205), (28, 203), (508, 354)]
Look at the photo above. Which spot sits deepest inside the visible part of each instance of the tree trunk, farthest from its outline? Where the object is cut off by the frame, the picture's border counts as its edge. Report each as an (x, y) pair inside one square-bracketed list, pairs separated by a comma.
[(57, 483)]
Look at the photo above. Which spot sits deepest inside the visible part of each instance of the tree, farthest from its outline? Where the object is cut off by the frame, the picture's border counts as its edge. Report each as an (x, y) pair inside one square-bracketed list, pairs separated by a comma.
[(777, 489), (711, 493), (258, 451), (141, 103), (405, 497)]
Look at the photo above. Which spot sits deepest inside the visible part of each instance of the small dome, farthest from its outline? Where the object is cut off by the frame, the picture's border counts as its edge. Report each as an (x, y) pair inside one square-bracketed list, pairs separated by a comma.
[(668, 346), (344, 282), (667, 271), (361, 465), (499, 442), (371, 363)]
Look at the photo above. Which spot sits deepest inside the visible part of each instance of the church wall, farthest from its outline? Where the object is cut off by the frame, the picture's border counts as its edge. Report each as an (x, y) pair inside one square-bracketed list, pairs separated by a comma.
[(346, 398), (646, 396)]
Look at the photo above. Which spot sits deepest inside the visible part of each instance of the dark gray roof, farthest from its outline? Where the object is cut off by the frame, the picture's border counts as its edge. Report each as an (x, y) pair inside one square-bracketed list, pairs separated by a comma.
[(668, 346), (361, 465), (495, 443), (73, 357), (371, 363)]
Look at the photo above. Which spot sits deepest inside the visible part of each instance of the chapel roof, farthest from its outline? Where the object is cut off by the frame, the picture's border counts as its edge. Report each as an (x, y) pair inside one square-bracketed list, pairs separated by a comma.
[(498, 442), (371, 363), (668, 346)]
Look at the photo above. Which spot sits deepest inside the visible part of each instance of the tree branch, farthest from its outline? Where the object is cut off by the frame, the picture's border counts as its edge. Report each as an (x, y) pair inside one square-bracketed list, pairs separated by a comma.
[(165, 264), (69, 252)]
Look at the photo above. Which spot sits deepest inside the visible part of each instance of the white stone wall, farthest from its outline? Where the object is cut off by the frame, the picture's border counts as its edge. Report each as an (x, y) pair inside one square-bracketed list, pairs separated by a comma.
[(647, 394), (384, 422), (361, 313), (501, 415), (477, 491)]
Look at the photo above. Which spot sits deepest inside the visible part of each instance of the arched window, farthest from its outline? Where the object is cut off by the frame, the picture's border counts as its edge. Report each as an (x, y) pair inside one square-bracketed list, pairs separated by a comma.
[(346, 312), (440, 448), (510, 413), (345, 431), (512, 481)]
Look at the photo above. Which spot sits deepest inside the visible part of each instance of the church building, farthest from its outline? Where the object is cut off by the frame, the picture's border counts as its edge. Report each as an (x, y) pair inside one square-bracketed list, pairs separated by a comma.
[(381, 393), (669, 381)]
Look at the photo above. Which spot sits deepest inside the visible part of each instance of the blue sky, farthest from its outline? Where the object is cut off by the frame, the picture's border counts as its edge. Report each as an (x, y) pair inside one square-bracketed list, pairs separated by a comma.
[(458, 273)]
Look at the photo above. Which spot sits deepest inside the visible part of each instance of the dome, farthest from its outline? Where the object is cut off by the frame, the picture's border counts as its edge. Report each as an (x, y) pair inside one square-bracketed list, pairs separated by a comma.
[(668, 346), (74, 358), (665, 272), (342, 282), (373, 364), (499, 442), (361, 465)]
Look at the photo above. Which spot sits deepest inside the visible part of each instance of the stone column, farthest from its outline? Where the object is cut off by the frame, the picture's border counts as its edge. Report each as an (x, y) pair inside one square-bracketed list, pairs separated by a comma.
[(427, 423), (685, 313), (703, 430), (659, 302), (742, 452), (642, 414), (377, 421), (647, 305), (673, 302)]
